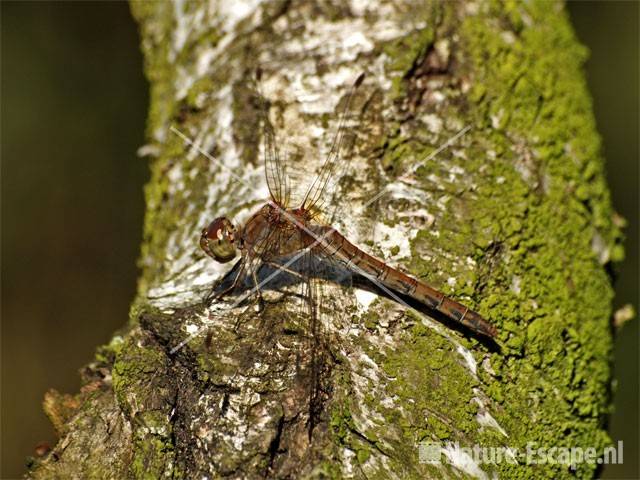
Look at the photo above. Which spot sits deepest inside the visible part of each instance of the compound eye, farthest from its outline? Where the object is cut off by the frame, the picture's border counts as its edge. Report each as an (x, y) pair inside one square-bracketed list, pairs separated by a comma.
[(217, 240)]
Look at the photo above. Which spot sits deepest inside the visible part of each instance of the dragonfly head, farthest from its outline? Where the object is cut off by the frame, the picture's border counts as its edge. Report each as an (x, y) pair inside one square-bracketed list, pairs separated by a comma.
[(218, 240)]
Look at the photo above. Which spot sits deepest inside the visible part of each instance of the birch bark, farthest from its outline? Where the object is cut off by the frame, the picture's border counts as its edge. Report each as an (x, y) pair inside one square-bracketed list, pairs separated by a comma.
[(474, 118)]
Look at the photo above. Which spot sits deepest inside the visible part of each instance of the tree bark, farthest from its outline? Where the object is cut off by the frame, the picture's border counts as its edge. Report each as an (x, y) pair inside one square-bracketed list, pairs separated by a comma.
[(475, 121)]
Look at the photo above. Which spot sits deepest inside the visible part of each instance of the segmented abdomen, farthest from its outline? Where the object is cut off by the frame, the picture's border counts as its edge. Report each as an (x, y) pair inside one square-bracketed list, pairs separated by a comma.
[(330, 242)]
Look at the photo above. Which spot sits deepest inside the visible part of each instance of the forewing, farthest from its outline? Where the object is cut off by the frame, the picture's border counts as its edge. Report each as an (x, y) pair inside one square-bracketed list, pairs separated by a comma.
[(274, 166), (324, 185), (274, 162)]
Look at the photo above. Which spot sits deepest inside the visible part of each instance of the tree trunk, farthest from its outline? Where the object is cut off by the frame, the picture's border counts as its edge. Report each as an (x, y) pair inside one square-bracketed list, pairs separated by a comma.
[(475, 122)]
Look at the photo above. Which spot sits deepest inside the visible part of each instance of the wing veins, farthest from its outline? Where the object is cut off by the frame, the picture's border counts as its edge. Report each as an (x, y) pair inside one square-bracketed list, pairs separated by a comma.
[(319, 184)]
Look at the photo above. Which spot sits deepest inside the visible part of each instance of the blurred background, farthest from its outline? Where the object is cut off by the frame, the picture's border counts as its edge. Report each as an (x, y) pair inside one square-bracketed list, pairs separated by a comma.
[(73, 110), (73, 107)]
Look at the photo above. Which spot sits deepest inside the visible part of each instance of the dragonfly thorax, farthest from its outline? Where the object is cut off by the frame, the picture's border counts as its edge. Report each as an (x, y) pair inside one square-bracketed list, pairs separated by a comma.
[(218, 240)]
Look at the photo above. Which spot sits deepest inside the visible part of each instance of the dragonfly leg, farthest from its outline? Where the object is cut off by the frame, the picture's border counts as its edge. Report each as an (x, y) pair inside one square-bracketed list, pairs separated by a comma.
[(259, 302), (213, 296), (259, 299)]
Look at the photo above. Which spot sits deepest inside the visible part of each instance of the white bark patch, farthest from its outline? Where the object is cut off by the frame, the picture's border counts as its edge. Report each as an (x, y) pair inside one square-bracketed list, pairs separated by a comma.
[(462, 461), (221, 16), (516, 281), (232, 13), (433, 122), (341, 41), (398, 236), (184, 24), (484, 417), (348, 462), (600, 248), (364, 298), (468, 358), (191, 328), (419, 213), (403, 190)]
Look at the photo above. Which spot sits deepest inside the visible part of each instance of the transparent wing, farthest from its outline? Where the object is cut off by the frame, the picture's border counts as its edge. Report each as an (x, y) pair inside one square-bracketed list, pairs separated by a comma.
[(324, 185), (274, 163), (316, 344), (275, 167)]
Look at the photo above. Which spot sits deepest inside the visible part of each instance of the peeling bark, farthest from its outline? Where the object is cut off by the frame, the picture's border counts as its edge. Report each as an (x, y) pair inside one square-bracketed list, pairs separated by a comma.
[(474, 119)]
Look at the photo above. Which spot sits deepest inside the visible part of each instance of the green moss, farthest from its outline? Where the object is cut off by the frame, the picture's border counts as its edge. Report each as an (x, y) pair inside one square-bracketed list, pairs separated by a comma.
[(341, 423), (150, 458), (535, 276), (423, 384), (547, 229), (146, 403), (529, 234), (167, 209), (405, 53), (106, 354), (152, 18)]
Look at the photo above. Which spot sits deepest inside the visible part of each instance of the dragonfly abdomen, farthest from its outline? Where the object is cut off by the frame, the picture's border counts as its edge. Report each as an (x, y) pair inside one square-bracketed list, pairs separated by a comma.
[(338, 247)]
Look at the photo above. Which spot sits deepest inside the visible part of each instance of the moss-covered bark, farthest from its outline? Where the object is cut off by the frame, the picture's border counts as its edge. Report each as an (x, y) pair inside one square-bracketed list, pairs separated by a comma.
[(513, 218)]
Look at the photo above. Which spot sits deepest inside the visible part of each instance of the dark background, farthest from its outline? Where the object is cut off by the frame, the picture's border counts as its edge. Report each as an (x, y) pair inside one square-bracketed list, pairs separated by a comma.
[(73, 106)]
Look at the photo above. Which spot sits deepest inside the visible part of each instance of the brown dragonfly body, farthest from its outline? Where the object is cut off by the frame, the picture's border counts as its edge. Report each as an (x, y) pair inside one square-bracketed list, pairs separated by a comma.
[(278, 231), (295, 231)]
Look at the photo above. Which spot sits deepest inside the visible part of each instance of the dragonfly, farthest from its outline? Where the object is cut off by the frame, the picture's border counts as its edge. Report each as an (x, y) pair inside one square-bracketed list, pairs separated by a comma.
[(279, 231)]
